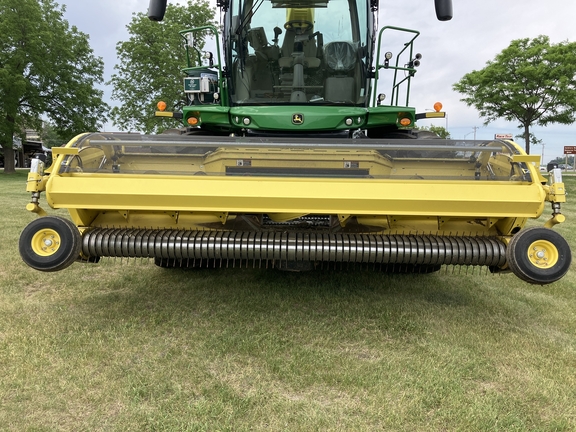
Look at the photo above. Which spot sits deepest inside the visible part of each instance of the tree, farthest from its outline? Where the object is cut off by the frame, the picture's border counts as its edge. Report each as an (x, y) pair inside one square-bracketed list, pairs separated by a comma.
[(531, 137), (150, 65), (50, 137), (533, 141), (438, 130), (531, 81), (47, 69)]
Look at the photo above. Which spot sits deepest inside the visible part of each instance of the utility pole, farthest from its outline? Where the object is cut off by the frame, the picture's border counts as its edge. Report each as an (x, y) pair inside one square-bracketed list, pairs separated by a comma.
[(542, 154), (475, 129), (474, 132)]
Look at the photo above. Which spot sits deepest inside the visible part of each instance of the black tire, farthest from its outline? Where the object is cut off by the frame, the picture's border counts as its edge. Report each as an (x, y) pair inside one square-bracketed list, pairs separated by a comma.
[(539, 255), (50, 244)]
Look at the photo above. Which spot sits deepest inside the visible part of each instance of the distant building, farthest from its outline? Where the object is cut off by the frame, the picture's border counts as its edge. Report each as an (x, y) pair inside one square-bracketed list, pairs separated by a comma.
[(23, 152)]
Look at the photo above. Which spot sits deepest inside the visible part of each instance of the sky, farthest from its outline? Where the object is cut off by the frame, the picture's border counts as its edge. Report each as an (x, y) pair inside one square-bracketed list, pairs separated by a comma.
[(479, 31)]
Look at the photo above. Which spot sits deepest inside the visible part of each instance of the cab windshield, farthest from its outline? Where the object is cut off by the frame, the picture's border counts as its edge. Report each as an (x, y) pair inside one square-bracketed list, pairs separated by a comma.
[(298, 51)]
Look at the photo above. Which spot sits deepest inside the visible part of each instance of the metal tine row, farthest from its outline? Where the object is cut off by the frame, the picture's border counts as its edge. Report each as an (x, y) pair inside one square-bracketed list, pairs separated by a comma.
[(236, 247), (454, 269)]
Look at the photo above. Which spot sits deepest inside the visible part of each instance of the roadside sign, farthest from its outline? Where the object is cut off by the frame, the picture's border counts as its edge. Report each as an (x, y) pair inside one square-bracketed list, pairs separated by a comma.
[(569, 150), (503, 136)]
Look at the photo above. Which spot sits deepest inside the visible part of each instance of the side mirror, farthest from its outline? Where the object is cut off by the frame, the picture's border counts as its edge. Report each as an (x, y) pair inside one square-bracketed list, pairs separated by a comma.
[(156, 10), (443, 9)]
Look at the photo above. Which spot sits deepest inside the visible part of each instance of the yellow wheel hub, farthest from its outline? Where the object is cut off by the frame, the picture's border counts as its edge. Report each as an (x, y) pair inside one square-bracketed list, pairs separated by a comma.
[(46, 242), (543, 254)]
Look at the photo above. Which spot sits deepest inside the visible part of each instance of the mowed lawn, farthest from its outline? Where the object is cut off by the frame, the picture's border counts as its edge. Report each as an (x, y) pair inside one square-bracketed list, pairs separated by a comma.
[(126, 346)]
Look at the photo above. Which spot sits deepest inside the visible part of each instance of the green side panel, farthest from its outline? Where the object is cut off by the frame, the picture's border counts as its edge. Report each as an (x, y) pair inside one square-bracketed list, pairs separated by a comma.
[(298, 117), (213, 115), (388, 115)]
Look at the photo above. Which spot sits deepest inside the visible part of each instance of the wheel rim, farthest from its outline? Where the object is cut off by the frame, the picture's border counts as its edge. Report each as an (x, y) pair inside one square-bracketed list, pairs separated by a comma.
[(46, 242), (543, 254)]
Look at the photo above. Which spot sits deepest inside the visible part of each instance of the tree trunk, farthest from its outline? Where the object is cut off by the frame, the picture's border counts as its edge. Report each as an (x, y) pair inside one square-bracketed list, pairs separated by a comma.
[(8, 161), (527, 137), (7, 140)]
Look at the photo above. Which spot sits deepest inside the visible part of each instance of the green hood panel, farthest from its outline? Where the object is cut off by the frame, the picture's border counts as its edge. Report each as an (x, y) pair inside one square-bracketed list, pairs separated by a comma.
[(298, 117)]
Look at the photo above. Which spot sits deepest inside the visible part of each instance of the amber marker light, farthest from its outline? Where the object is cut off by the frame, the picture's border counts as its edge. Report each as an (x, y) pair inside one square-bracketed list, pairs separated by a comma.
[(192, 121), (438, 106), (161, 106), (405, 121)]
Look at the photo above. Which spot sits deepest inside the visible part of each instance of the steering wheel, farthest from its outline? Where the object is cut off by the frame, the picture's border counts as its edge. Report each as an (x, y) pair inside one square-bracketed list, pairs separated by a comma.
[(302, 25)]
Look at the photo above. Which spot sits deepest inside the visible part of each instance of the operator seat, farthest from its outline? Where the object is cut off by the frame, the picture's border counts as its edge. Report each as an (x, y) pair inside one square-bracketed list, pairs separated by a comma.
[(341, 59)]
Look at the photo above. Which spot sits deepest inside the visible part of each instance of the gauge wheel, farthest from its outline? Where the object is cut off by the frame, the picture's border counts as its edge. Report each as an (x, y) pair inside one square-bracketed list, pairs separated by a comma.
[(538, 255), (50, 243)]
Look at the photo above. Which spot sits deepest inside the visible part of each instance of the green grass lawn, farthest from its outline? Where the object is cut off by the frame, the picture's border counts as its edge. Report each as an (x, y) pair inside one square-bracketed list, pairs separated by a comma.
[(126, 346)]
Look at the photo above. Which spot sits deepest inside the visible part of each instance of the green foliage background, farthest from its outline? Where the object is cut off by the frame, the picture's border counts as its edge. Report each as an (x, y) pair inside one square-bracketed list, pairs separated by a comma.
[(150, 64), (47, 71), (531, 82)]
